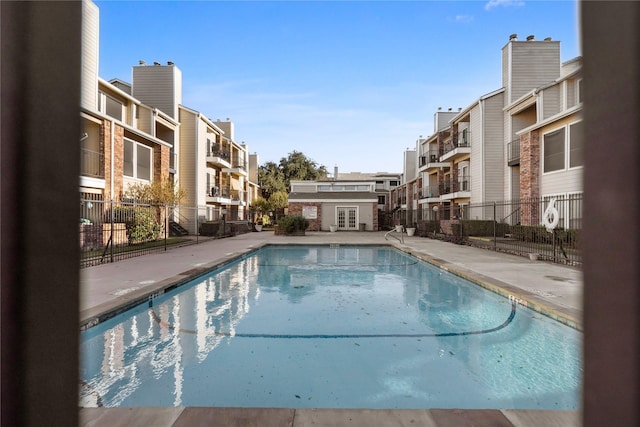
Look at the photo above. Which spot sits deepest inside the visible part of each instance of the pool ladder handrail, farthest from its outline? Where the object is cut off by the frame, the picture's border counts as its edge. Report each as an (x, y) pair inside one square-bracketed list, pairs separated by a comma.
[(397, 229)]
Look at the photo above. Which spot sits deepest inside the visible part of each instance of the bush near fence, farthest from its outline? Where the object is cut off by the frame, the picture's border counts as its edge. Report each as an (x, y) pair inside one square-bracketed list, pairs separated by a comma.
[(480, 228), (428, 227), (140, 221), (539, 234)]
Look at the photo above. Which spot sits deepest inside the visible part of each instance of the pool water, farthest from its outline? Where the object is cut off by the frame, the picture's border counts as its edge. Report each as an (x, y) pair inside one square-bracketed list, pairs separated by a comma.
[(331, 327)]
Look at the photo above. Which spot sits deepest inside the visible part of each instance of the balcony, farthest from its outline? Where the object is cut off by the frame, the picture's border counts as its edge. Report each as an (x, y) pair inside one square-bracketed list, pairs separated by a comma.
[(218, 155), (237, 166), (431, 157), (513, 153), (458, 188), (458, 145), (238, 197), (91, 163), (219, 195), (430, 192)]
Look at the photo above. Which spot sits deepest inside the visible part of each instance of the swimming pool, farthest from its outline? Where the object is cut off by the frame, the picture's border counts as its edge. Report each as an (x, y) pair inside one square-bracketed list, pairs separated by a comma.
[(339, 327)]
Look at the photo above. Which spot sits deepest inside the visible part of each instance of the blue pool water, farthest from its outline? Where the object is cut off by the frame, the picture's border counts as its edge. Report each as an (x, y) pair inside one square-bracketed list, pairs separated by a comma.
[(339, 327)]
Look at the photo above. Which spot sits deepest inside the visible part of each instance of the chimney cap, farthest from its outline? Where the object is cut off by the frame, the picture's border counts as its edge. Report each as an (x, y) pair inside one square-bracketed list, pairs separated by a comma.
[(156, 63), (142, 62), (531, 37), (513, 36), (170, 63), (547, 39)]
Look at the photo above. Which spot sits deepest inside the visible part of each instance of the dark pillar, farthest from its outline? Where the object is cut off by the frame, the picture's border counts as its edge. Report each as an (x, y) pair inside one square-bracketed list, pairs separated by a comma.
[(611, 46), (39, 158)]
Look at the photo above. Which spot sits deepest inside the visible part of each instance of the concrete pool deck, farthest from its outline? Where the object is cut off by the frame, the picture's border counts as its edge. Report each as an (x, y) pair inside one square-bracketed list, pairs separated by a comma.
[(552, 289)]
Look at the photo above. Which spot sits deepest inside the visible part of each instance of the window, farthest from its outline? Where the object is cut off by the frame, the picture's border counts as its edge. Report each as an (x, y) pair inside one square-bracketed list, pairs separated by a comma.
[(554, 150), (113, 107), (580, 90), (576, 145), (381, 200), (324, 188), (137, 160)]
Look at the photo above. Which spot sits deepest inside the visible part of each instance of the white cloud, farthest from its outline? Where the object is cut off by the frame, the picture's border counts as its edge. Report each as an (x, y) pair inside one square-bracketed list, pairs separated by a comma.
[(495, 3), (463, 19)]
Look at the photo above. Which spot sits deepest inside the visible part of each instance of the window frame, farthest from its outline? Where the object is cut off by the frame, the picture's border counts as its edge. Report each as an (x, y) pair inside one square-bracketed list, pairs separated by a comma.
[(134, 160)]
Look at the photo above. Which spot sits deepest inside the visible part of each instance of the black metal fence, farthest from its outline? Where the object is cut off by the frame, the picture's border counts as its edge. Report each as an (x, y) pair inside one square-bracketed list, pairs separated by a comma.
[(547, 228), (116, 230)]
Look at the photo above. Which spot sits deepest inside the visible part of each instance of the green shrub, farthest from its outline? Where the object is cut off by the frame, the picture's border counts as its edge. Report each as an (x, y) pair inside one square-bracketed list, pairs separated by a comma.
[(293, 223), (141, 223)]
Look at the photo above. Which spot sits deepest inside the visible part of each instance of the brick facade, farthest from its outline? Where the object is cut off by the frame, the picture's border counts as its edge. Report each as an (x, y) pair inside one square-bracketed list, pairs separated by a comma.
[(530, 176), (314, 224)]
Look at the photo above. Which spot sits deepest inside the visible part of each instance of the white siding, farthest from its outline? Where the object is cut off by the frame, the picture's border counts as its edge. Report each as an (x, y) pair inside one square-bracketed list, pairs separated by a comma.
[(90, 50)]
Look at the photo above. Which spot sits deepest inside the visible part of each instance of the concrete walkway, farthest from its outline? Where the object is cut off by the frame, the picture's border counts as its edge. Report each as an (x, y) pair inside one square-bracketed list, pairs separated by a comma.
[(552, 289)]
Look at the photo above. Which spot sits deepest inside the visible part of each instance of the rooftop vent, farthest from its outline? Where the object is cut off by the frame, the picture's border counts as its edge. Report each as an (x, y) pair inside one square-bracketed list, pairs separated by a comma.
[(531, 38), (141, 62), (169, 63), (156, 63), (548, 39), (513, 37)]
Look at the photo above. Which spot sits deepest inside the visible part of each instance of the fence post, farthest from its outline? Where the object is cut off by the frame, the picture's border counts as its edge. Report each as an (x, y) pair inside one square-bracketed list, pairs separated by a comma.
[(495, 224), (112, 240), (166, 225)]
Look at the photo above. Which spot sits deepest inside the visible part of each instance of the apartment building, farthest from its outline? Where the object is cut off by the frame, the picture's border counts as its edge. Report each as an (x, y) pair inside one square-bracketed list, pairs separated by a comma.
[(140, 132), (123, 141), (522, 141)]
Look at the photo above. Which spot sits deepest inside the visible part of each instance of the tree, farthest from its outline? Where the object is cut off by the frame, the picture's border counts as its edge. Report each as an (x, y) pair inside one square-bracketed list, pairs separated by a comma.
[(271, 179), (156, 193), (296, 166), (278, 200)]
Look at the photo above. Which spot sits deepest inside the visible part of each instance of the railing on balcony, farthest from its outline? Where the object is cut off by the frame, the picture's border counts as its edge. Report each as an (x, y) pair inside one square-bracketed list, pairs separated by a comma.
[(430, 191), (431, 157), (222, 192), (91, 163), (238, 195), (463, 183), (218, 150), (513, 153), (239, 163), (463, 139), (445, 187)]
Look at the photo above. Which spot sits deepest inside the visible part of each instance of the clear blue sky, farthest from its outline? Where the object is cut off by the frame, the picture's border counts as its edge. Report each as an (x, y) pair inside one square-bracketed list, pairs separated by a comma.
[(348, 83)]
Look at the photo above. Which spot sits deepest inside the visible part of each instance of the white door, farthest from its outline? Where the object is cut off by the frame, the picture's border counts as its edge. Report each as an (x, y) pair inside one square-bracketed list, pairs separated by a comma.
[(347, 218)]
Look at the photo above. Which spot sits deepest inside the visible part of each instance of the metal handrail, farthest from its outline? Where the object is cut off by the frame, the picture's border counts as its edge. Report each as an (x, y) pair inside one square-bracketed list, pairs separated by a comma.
[(399, 229)]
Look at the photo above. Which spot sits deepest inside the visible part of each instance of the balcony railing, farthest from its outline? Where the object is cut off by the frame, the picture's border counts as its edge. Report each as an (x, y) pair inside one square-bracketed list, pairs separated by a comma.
[(216, 150), (431, 157), (463, 140), (463, 183), (222, 192), (91, 163), (430, 191), (513, 153), (238, 195), (239, 163)]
